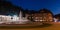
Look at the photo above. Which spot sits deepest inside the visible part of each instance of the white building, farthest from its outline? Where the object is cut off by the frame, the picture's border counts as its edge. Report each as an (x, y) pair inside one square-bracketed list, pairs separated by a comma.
[(15, 19)]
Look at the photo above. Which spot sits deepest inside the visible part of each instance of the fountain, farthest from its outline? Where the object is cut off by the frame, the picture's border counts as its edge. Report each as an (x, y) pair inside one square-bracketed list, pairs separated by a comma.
[(22, 20)]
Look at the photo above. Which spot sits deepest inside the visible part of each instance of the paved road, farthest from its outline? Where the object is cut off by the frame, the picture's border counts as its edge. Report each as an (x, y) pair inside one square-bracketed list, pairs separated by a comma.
[(55, 26)]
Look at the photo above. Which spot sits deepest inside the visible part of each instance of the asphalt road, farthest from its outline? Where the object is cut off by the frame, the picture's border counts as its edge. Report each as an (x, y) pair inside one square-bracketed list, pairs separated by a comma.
[(54, 26)]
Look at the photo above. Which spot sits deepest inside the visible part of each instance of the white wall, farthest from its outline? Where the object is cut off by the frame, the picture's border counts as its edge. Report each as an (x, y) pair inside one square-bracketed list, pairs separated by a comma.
[(5, 19)]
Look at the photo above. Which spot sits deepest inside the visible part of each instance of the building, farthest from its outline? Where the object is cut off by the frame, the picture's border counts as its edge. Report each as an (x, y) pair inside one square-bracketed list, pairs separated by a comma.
[(57, 18), (43, 15), (13, 19)]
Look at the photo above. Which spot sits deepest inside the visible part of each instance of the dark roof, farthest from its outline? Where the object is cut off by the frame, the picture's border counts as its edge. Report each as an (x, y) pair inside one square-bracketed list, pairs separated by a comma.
[(44, 10)]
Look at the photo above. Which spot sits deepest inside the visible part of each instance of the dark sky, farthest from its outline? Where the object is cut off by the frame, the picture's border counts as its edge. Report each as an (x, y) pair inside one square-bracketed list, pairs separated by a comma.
[(53, 5)]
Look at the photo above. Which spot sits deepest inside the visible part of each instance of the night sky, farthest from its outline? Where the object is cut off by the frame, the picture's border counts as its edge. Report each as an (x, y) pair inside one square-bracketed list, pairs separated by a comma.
[(53, 5)]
